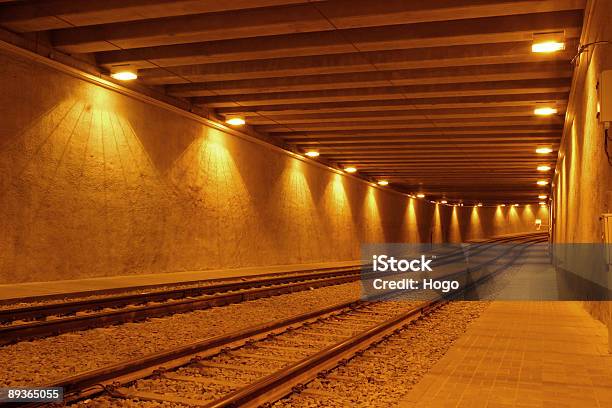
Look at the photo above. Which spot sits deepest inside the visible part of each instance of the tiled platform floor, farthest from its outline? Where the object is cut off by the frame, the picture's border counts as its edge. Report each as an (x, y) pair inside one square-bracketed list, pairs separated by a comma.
[(523, 354), (24, 290)]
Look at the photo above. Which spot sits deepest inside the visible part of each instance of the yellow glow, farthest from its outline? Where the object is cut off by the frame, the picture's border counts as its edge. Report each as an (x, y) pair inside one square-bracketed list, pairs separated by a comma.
[(350, 169), (538, 221), (420, 195), (542, 182), (542, 203), (515, 205), (543, 168), (443, 202), (312, 153), (548, 46), (475, 224), (383, 182), (544, 150), (499, 216), (480, 204), (125, 75), (502, 205), (455, 230), (235, 121), (542, 196), (545, 111)]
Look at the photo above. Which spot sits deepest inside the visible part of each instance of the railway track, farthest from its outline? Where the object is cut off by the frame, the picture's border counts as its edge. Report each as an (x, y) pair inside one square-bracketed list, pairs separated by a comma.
[(48, 319), (266, 362)]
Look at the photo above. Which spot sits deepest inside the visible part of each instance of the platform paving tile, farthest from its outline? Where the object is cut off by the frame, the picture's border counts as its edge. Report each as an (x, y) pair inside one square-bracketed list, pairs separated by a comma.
[(522, 354)]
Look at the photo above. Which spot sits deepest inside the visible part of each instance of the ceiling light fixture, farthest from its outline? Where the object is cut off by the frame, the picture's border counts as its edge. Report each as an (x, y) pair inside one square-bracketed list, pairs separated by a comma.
[(124, 73), (383, 182), (548, 42), (544, 150), (350, 169), (421, 195), (542, 196), (443, 202), (235, 121), (542, 182), (543, 167), (545, 111), (312, 153)]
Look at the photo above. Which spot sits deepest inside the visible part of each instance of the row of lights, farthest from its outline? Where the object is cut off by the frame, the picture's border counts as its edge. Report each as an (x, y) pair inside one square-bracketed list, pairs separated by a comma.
[(542, 43)]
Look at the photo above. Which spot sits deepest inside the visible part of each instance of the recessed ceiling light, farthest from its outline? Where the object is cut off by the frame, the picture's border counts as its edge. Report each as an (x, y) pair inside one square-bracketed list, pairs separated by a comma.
[(235, 121), (383, 182), (350, 169), (542, 182), (124, 73), (544, 150), (515, 205), (548, 46), (542, 203), (443, 202), (480, 204), (548, 42), (545, 111), (312, 153), (421, 195), (542, 196), (543, 167), (502, 205)]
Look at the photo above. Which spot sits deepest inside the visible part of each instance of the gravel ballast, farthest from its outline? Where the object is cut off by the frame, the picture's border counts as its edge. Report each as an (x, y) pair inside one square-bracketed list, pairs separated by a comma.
[(39, 362), (385, 373)]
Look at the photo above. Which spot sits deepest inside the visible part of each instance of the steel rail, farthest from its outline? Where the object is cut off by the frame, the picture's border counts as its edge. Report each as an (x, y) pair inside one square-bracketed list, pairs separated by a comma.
[(234, 293), (93, 382), (293, 377)]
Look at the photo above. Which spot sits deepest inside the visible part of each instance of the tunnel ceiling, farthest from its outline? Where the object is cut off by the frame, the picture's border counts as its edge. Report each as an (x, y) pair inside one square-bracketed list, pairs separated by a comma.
[(435, 96)]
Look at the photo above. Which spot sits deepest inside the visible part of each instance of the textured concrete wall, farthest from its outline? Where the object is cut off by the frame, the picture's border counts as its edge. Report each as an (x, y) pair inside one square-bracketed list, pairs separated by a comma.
[(583, 185), (95, 183)]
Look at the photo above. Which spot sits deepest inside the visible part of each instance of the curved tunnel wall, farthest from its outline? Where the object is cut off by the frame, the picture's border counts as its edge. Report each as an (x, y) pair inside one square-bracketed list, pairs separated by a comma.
[(95, 183)]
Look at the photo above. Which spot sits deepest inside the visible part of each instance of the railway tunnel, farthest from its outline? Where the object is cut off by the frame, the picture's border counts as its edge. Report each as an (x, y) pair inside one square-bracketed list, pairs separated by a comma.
[(305, 203)]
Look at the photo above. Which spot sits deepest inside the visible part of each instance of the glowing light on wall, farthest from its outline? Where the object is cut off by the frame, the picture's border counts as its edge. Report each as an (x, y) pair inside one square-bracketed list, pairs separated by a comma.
[(475, 225), (455, 231)]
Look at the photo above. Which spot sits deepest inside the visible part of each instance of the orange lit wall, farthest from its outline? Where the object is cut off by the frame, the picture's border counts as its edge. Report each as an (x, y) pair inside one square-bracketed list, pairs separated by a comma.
[(96, 183), (582, 189)]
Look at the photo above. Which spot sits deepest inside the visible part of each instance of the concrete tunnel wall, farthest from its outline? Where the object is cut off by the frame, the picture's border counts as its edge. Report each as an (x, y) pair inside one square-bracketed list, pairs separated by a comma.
[(97, 183), (583, 185)]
